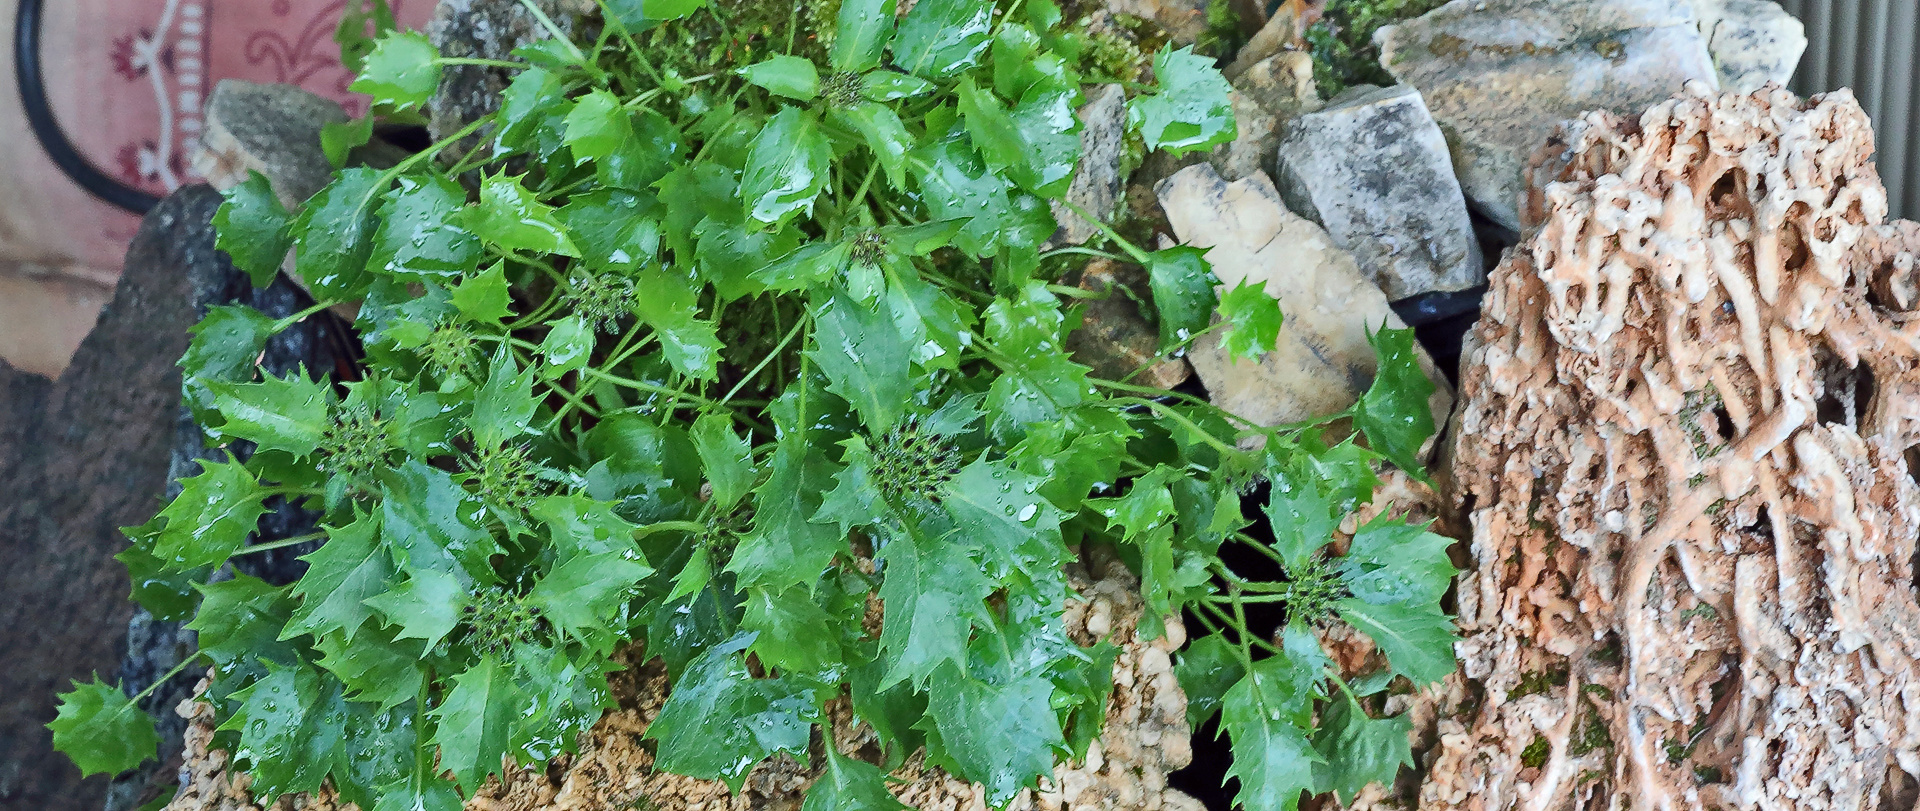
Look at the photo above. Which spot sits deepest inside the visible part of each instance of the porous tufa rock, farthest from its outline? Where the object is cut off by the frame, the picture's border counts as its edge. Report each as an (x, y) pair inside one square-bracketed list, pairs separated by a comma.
[(1682, 453), (1146, 738)]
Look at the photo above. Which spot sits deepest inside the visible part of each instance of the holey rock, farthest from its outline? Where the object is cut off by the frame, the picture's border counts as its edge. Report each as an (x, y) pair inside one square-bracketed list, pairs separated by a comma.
[(1372, 168), (1145, 738), (1502, 75), (1684, 456), (1322, 362)]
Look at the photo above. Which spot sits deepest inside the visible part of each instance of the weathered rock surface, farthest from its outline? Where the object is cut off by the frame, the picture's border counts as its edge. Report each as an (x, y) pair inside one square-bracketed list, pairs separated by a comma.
[(1145, 738), (1182, 20), (1372, 168), (1096, 178), (1501, 75), (273, 129), (1753, 42), (487, 29), (1322, 362), (1281, 84), (1114, 338), (1685, 455)]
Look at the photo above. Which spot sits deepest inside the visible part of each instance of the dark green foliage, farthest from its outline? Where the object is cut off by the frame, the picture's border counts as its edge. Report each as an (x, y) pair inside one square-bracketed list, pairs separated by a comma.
[(707, 349), (1342, 41)]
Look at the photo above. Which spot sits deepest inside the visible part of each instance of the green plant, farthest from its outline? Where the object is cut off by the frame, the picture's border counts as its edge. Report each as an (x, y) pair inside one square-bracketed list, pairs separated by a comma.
[(1342, 40), (705, 363)]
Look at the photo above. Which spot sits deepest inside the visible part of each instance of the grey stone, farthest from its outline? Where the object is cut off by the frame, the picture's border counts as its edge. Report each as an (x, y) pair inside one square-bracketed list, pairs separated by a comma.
[(1753, 42), (1282, 84), (1114, 338), (1372, 168), (1096, 178), (1501, 75), (487, 29), (1322, 362), (273, 129)]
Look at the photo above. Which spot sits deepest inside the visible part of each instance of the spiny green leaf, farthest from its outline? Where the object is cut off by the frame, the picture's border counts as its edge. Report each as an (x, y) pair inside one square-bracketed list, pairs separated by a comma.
[(483, 298), (211, 518), (719, 722), (786, 76), (503, 408), (939, 38), (426, 606), (1265, 716), (1000, 511), (420, 237), (240, 622), (375, 667), (1039, 382), (432, 523), (727, 458), (811, 264), (350, 567), (860, 36), (475, 721), (934, 594), (1182, 283), (1301, 513), (787, 166), (668, 303), (252, 227), (567, 347), (785, 547), (885, 134), (282, 745), (886, 85), (333, 235), (583, 526), (1253, 320), (400, 73), (1358, 750), (165, 592), (849, 784), (795, 635), (224, 347), (1393, 413), (864, 358), (339, 139), (1417, 639), (1207, 669), (1003, 736), (102, 730), (1392, 561), (614, 228), (1189, 110), (581, 595), (511, 217), (278, 413)]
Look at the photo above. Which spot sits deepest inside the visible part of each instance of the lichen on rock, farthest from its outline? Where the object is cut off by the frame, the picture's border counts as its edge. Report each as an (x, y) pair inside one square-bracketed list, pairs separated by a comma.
[(1683, 453), (1146, 737)]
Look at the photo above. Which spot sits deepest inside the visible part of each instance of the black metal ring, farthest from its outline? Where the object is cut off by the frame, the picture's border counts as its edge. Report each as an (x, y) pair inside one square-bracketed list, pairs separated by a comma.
[(33, 97)]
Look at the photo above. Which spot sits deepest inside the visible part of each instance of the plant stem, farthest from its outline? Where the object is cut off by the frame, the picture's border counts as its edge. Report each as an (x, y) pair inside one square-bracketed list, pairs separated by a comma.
[(1133, 251), (547, 23), (280, 544), (791, 334), (168, 676), (484, 63)]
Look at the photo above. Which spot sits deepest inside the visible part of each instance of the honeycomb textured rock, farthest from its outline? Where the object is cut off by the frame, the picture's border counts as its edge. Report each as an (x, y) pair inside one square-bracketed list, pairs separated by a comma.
[(1689, 410)]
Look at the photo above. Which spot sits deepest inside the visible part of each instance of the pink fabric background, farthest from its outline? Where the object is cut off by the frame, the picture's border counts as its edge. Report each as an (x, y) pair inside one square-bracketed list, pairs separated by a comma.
[(127, 79)]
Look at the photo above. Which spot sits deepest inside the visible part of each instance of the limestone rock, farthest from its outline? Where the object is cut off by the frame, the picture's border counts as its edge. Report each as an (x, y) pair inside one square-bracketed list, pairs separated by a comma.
[(1096, 178), (1500, 75), (1184, 21), (1685, 453), (1372, 168), (1113, 337), (1322, 362), (273, 129), (1753, 42), (1283, 29), (1145, 738), (1256, 136), (1281, 84), (487, 29)]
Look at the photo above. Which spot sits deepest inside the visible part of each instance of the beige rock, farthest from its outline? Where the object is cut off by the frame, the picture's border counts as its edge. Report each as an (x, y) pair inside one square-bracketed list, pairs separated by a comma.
[(1096, 178), (273, 129), (1279, 31), (1282, 84), (1322, 362), (1114, 338), (1753, 42), (1501, 75), (1684, 452), (1183, 20), (1125, 769), (1256, 137)]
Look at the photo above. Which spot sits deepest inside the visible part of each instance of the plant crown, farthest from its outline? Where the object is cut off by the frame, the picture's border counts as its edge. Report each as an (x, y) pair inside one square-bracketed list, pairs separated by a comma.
[(714, 354)]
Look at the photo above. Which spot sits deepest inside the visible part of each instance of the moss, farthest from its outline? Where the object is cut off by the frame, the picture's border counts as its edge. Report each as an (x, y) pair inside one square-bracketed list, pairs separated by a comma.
[(1535, 755), (1342, 41), (1222, 37), (1593, 735), (1537, 682)]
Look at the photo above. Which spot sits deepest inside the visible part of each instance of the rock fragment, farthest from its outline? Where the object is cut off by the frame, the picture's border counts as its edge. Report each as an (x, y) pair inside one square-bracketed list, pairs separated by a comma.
[(1372, 168), (1096, 178), (1322, 362), (1684, 452), (1753, 42), (1114, 338), (1500, 75), (273, 129), (487, 29), (1184, 21)]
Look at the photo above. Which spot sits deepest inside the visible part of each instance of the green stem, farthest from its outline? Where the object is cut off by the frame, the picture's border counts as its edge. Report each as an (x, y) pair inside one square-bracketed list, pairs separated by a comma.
[(302, 315), (191, 658), (380, 183), (1168, 352), (1137, 254), (484, 63), (669, 526), (648, 387), (280, 544), (1079, 251), (547, 23), (1164, 411), (791, 334)]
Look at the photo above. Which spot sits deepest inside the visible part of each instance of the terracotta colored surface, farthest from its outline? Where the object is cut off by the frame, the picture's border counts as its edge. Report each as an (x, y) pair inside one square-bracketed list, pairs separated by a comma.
[(126, 79)]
